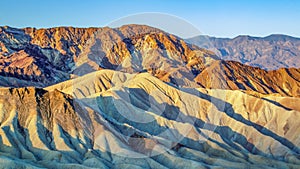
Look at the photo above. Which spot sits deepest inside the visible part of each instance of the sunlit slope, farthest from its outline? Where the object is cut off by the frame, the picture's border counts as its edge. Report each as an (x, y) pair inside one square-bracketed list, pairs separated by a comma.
[(227, 125)]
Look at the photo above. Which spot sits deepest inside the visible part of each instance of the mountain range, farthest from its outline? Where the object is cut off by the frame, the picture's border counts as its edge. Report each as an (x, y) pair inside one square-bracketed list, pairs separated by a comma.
[(269, 53), (139, 97), (43, 57)]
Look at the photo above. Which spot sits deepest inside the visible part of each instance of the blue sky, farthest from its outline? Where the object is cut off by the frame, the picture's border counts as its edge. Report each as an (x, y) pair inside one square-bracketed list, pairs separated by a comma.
[(221, 18)]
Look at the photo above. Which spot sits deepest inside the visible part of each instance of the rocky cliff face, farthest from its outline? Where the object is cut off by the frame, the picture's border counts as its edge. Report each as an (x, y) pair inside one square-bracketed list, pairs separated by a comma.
[(48, 56), (269, 53)]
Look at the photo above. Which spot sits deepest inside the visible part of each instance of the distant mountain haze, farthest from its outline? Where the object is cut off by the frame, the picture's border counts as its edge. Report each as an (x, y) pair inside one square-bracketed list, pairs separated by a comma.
[(269, 53)]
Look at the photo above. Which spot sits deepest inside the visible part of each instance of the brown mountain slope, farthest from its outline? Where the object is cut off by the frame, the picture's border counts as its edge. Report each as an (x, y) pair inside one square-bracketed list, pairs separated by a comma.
[(32, 66), (52, 55), (234, 75)]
